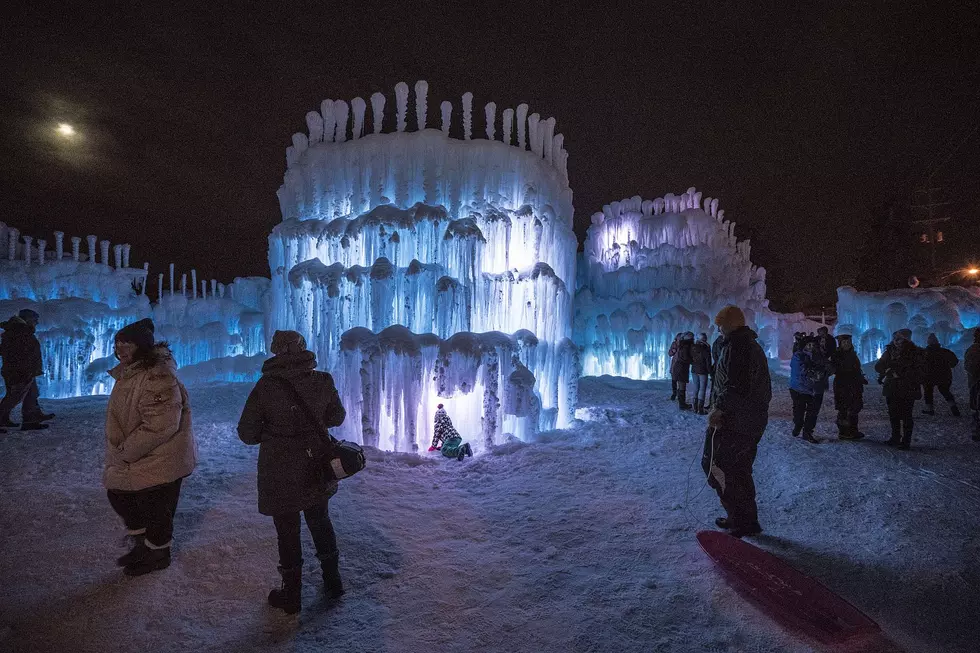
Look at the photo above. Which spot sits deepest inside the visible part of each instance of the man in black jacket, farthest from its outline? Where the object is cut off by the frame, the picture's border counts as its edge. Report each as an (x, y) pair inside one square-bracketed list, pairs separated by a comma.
[(937, 372), (900, 372), (21, 353), (742, 392)]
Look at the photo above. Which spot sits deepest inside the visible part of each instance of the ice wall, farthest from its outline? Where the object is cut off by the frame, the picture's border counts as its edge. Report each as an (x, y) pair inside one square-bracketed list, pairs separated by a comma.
[(85, 297), (871, 317), (653, 268), (411, 242)]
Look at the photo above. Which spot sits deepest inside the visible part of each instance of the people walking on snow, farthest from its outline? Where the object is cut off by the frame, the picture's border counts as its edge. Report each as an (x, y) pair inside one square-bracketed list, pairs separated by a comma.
[(447, 439), (680, 369), (900, 372), (671, 355), (937, 372), (150, 445), (742, 392), (22, 364), (971, 361), (701, 368), (849, 382), (807, 384), (291, 479)]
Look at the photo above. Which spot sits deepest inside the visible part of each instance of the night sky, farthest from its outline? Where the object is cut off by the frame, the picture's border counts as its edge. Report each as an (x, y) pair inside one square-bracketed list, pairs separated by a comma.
[(800, 123)]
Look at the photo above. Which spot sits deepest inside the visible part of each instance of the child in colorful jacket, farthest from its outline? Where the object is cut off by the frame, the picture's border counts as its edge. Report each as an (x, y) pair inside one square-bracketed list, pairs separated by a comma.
[(447, 438)]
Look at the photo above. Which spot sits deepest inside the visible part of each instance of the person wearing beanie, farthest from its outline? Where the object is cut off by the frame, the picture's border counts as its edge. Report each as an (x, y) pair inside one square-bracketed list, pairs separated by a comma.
[(701, 368), (900, 373), (680, 368), (279, 417), (849, 382), (22, 364), (937, 372), (971, 361), (742, 391), (809, 371), (447, 439), (150, 446)]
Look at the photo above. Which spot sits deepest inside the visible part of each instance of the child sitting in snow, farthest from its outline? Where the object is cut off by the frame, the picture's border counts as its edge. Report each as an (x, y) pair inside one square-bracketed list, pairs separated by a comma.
[(446, 437)]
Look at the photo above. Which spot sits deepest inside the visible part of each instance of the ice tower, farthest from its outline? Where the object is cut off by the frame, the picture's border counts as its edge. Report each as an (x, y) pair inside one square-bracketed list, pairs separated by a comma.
[(429, 266), (653, 268)]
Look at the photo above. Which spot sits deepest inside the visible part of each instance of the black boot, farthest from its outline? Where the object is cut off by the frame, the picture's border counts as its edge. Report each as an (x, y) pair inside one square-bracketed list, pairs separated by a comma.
[(135, 554), (808, 436), (896, 433), (289, 598), (697, 406), (723, 522), (928, 410), (333, 586), (683, 405), (33, 426), (151, 560), (906, 442), (468, 449), (7, 423), (954, 409)]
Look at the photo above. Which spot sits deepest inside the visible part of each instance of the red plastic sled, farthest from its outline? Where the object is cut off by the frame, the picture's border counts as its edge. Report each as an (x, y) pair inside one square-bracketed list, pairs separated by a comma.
[(787, 595)]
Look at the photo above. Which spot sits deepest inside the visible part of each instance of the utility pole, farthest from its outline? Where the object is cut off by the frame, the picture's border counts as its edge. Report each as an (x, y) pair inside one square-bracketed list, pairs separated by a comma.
[(929, 204)]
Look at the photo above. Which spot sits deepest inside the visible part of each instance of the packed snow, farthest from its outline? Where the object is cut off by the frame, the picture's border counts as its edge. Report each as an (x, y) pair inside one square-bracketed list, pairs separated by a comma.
[(581, 540)]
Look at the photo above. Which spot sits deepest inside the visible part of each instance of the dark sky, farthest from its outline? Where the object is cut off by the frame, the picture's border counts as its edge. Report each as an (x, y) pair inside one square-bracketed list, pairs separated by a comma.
[(798, 121)]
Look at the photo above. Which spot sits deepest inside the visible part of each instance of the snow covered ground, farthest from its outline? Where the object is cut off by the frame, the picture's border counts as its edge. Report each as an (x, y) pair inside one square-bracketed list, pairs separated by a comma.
[(582, 541)]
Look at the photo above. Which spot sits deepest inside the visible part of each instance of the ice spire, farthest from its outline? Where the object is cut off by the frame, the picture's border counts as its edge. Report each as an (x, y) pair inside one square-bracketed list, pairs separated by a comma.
[(358, 105), (91, 247), (532, 132), (421, 91), (41, 244), (329, 121), (314, 123), (467, 115), (117, 255), (378, 111), (183, 284), (521, 125), (59, 244), (340, 113), (549, 136), (193, 284), (76, 244), (12, 244), (126, 249), (28, 240), (508, 125), (447, 115), (401, 104), (491, 112), (171, 279), (160, 286), (105, 252)]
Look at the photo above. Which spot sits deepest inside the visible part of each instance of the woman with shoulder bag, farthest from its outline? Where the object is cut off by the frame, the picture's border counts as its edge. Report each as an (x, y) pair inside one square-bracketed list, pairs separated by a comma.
[(290, 477)]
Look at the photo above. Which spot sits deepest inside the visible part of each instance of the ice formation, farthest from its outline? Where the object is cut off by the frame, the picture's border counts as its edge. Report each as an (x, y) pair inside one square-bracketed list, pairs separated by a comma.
[(871, 317), (84, 298), (424, 269), (654, 268)]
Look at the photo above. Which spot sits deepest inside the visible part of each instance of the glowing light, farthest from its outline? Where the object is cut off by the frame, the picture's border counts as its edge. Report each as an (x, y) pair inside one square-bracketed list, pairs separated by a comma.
[(973, 271), (65, 129)]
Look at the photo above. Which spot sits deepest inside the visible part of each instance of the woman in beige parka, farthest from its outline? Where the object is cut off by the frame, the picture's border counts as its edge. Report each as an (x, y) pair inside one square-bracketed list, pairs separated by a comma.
[(149, 445)]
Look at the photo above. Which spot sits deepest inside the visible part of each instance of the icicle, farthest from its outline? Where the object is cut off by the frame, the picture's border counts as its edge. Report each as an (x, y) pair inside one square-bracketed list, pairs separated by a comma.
[(171, 279), (329, 121), (714, 208), (447, 114), (117, 255), (146, 278), (27, 248), (12, 244), (91, 248), (378, 111), (467, 115), (183, 284), (521, 125), (421, 91), (340, 113), (204, 289), (214, 287), (59, 245), (532, 132), (76, 244), (221, 290), (556, 147), (491, 113), (314, 124), (126, 249), (508, 125), (193, 284), (160, 287), (41, 245), (300, 143), (401, 104), (547, 141), (105, 252), (359, 107)]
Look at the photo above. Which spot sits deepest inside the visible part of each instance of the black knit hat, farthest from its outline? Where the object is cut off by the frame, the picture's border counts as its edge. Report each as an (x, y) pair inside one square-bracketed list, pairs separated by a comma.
[(139, 333)]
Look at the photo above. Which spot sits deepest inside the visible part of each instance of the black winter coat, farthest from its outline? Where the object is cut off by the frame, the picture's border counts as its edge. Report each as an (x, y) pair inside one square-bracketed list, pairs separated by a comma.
[(939, 364), (742, 388), (289, 480), (901, 371), (20, 350), (827, 345), (849, 381), (680, 365), (971, 362), (701, 358)]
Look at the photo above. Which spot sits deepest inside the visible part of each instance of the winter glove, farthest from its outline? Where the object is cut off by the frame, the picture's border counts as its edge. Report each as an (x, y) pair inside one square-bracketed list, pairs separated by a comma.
[(716, 419)]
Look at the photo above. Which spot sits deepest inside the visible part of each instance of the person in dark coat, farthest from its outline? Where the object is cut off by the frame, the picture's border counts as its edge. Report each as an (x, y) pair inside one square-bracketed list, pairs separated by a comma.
[(742, 391), (900, 372), (715, 352), (971, 362), (672, 354), (807, 385), (849, 382), (290, 479), (826, 343), (798, 340), (937, 371), (680, 369), (446, 438), (22, 364), (701, 368)]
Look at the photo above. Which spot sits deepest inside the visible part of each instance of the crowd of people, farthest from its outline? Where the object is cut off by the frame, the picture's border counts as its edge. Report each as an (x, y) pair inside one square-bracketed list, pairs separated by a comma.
[(150, 446)]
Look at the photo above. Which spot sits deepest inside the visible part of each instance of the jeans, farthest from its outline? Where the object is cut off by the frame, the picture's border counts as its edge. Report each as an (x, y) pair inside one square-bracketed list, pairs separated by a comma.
[(727, 462), (320, 527), (19, 390), (700, 387), (806, 408), (150, 511)]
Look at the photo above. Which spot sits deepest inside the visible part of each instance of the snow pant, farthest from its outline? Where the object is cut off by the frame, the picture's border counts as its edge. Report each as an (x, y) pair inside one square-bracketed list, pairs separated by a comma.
[(320, 527), (700, 387), (900, 414), (927, 391), (727, 462), (847, 420), (20, 391), (452, 446), (148, 512), (806, 408)]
